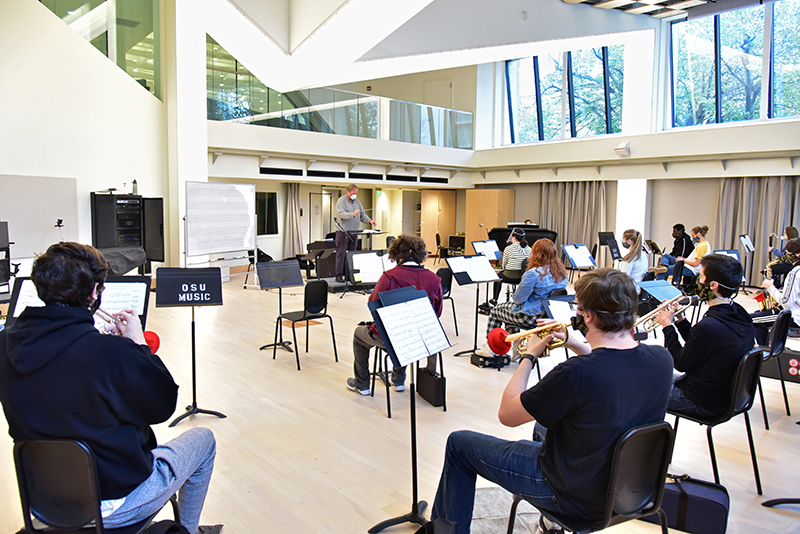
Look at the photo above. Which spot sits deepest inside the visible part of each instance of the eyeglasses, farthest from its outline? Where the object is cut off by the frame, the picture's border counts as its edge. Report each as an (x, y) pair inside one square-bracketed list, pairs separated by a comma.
[(573, 305)]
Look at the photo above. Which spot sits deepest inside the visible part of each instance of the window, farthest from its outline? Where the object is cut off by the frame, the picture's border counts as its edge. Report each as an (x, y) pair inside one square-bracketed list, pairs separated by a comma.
[(693, 71), (741, 49), (786, 62), (266, 213), (571, 94)]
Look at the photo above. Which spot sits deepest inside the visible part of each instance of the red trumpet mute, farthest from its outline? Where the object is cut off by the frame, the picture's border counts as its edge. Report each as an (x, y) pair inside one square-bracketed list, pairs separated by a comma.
[(153, 341), (497, 341)]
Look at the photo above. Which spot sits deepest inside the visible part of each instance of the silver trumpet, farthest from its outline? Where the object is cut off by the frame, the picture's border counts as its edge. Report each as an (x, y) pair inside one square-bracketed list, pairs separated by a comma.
[(648, 321)]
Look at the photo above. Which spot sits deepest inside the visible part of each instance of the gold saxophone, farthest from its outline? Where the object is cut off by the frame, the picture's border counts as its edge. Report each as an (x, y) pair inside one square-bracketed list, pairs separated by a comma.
[(768, 303)]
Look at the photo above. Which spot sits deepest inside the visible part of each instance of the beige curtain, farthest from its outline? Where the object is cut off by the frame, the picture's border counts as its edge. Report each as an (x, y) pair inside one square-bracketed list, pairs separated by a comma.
[(576, 210), (756, 207), (293, 236)]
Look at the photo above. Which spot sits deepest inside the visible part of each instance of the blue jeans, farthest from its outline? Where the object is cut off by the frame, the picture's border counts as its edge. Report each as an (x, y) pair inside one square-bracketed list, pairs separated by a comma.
[(686, 272), (183, 465), (514, 465), (680, 404)]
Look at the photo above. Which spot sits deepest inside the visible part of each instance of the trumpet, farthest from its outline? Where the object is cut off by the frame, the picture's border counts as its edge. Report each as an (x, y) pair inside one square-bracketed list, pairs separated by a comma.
[(500, 340), (648, 321)]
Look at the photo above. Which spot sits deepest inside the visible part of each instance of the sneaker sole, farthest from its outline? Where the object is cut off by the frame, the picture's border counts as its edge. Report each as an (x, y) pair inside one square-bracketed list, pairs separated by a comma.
[(364, 392)]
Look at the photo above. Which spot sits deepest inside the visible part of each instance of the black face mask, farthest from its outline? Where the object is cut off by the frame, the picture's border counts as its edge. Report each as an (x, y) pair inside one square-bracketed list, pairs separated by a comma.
[(96, 304), (579, 324), (695, 240), (626, 245)]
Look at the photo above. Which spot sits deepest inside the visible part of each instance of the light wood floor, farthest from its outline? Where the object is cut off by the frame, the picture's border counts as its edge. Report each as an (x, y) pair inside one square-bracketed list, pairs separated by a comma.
[(300, 453)]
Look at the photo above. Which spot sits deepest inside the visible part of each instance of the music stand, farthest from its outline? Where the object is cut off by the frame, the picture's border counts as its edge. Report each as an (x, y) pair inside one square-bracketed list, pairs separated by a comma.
[(655, 249), (749, 249), (472, 270), (411, 331), (180, 287), (363, 269), (279, 274), (579, 257)]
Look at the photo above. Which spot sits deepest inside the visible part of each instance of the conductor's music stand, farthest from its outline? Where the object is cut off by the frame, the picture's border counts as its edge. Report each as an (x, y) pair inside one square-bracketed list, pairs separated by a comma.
[(180, 287), (279, 274), (411, 331), (749, 249)]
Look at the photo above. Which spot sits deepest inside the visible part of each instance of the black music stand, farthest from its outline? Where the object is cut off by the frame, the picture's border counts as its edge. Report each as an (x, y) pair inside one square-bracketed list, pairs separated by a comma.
[(279, 274), (361, 268), (472, 270), (180, 287), (749, 249), (395, 318)]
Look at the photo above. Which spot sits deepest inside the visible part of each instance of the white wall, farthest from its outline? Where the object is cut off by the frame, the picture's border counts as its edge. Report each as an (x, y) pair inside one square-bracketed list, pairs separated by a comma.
[(69, 112)]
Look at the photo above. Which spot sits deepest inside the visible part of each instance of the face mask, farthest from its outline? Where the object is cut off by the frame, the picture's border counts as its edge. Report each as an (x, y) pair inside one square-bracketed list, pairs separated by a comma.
[(695, 240), (579, 324), (353, 197), (676, 234), (96, 304), (705, 292), (626, 245)]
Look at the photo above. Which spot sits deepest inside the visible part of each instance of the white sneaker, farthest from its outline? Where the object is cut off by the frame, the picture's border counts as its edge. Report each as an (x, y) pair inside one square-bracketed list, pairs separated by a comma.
[(485, 351)]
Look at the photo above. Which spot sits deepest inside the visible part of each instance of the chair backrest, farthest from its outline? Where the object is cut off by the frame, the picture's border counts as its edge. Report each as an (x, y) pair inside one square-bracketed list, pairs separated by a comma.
[(447, 280), (316, 297), (677, 273), (389, 239), (438, 240), (745, 382), (777, 336), (649, 276), (638, 472), (57, 479), (560, 292)]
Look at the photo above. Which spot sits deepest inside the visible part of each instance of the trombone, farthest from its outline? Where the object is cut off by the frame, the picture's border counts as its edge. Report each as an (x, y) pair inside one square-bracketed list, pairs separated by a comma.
[(648, 321), (500, 340)]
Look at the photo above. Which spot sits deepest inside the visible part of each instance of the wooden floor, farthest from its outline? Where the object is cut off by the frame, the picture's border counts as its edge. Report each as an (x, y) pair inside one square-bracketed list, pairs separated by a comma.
[(300, 453)]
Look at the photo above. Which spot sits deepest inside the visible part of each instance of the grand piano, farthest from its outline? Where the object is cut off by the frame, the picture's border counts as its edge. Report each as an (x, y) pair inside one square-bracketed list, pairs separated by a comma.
[(532, 234)]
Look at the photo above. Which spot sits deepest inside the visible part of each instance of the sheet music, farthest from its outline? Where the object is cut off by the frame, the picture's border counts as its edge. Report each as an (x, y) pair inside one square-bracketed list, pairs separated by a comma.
[(119, 296), (479, 269), (27, 297), (457, 264), (370, 267), (747, 242), (387, 263), (414, 330), (563, 313), (487, 248), (579, 255)]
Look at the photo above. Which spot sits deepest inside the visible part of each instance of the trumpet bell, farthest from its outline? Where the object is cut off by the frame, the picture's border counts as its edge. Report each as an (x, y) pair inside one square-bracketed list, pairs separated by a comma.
[(497, 341)]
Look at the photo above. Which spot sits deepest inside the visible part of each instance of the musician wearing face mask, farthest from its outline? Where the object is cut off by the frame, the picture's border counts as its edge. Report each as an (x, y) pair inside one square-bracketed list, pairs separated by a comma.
[(634, 262), (681, 247), (349, 216), (713, 347), (788, 297), (61, 378), (581, 408)]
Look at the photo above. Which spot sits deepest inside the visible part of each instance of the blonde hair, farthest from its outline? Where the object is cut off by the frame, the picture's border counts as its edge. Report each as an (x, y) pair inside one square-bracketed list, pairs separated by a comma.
[(636, 249)]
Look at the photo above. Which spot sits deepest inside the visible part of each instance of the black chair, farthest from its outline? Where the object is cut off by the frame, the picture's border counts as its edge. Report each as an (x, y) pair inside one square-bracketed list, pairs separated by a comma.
[(389, 239), (315, 306), (381, 369), (442, 251), (677, 273), (636, 485), (447, 285), (649, 276), (743, 392), (58, 486), (777, 343)]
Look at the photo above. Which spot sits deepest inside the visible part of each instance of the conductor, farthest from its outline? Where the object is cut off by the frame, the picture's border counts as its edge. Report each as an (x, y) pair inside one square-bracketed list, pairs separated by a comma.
[(350, 214)]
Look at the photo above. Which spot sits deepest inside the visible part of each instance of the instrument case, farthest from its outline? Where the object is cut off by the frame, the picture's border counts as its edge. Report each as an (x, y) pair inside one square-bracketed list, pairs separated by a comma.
[(694, 505)]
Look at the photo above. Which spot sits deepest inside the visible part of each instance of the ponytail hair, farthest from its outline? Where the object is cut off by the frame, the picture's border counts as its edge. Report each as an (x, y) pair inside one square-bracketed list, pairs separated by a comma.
[(701, 230), (636, 249)]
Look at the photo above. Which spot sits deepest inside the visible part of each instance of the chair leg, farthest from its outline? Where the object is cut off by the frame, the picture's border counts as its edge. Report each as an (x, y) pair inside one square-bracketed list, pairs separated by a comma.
[(333, 338), (308, 325), (441, 372), (455, 319), (783, 385), (763, 406), (374, 371), (752, 452), (713, 454), (279, 324), (512, 516), (176, 511), (662, 520), (296, 349), (387, 377)]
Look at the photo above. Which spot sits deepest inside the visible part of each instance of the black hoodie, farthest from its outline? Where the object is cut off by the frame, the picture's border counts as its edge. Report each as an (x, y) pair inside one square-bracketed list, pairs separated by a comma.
[(61, 378), (714, 347)]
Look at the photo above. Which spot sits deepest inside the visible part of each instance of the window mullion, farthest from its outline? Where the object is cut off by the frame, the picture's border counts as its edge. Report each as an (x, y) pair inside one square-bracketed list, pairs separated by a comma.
[(538, 90), (607, 89), (570, 94), (718, 70), (767, 66), (510, 106)]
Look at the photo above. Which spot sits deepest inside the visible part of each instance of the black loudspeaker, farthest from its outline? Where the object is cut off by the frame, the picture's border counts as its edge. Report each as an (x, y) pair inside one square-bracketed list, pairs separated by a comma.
[(153, 223), (128, 221)]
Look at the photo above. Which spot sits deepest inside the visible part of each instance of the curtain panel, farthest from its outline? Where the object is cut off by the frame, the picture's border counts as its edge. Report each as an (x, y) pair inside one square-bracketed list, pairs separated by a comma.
[(576, 210), (292, 236), (756, 207)]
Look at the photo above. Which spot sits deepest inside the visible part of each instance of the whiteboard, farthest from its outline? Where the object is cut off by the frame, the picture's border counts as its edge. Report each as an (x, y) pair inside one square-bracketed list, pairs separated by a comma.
[(220, 218)]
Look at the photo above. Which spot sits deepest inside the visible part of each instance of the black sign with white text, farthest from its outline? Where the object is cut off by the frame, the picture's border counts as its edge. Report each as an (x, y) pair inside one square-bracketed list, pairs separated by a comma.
[(188, 287)]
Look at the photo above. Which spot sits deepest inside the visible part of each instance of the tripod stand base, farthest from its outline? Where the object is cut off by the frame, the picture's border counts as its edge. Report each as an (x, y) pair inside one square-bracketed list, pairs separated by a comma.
[(775, 502), (280, 344), (469, 352), (411, 517), (192, 409)]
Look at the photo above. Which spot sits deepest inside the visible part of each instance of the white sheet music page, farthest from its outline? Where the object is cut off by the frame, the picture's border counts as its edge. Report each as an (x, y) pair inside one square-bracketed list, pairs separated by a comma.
[(414, 330), (27, 297), (480, 270), (369, 265), (457, 264)]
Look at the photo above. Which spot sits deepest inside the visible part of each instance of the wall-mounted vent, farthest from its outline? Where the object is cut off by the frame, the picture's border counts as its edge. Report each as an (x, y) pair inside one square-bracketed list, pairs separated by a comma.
[(278, 170), (365, 176), (401, 178), (434, 180), (324, 174)]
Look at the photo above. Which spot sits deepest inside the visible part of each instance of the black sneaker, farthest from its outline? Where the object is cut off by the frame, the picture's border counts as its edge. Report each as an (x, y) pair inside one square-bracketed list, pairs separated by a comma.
[(340, 278)]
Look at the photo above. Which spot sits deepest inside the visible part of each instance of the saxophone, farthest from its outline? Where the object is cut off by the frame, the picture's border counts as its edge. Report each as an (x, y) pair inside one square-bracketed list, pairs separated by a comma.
[(768, 303)]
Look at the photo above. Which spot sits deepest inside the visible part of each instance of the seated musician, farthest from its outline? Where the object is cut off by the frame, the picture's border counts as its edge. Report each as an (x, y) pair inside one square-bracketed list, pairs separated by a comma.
[(788, 297), (681, 247), (634, 263), (785, 259), (585, 404), (713, 347), (515, 255), (60, 378), (691, 263), (409, 253), (545, 273)]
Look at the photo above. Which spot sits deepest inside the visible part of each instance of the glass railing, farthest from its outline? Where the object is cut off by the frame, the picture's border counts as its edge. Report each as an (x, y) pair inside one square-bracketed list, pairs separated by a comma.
[(235, 95), (124, 31)]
